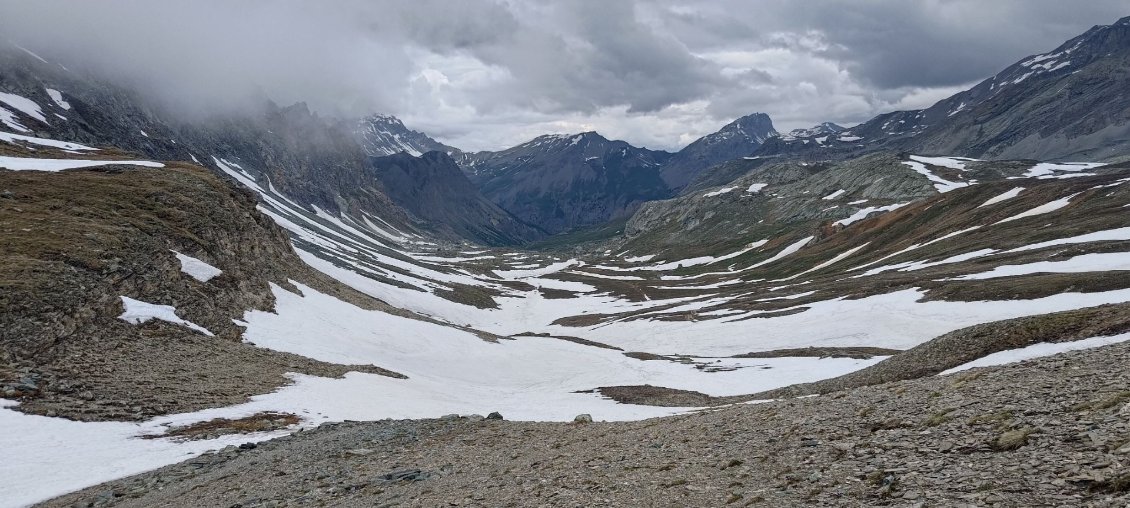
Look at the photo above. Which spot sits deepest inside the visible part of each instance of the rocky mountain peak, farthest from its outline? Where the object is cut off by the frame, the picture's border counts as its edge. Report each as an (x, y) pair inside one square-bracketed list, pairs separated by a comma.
[(735, 139), (381, 135), (756, 126)]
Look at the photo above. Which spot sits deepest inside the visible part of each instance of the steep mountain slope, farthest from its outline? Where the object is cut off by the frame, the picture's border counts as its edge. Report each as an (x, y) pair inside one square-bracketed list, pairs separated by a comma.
[(823, 129), (736, 139), (129, 240), (315, 161), (433, 188), (282, 297), (1068, 104), (382, 135), (560, 182)]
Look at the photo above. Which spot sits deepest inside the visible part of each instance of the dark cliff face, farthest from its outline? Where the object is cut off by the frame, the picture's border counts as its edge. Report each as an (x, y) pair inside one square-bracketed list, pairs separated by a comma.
[(737, 139), (433, 188), (562, 182), (313, 160)]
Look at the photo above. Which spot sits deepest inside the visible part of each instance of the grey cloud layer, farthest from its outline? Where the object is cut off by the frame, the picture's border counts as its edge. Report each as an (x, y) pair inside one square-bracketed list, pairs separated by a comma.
[(485, 74)]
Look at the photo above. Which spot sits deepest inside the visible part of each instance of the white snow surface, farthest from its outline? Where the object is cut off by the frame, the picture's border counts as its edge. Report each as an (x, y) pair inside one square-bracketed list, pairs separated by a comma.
[(1009, 194), (137, 312), (57, 455), (9, 138), (718, 192), (755, 188), (834, 195), (9, 119), (57, 96), (863, 213), (196, 268), (957, 163), (23, 105), (1106, 235), (1042, 209), (1046, 170), (1039, 350), (941, 184), (1101, 262), (30, 164)]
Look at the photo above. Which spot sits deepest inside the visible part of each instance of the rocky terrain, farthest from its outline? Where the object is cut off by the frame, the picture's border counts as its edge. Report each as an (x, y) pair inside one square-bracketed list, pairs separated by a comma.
[(560, 182), (1048, 432), (277, 308), (76, 243)]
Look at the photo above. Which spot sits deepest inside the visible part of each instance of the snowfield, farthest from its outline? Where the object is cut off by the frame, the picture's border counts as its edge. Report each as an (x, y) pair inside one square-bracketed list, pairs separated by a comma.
[(137, 312), (30, 164), (452, 369)]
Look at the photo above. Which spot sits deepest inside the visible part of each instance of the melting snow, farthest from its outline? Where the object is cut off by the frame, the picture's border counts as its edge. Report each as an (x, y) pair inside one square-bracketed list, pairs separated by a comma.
[(756, 187), (9, 137), (834, 195), (1103, 262), (940, 183), (57, 96), (137, 312), (1039, 350), (863, 213), (1054, 170), (196, 268), (9, 119), (1003, 197), (957, 163), (718, 192), (29, 164), (1042, 209), (24, 105)]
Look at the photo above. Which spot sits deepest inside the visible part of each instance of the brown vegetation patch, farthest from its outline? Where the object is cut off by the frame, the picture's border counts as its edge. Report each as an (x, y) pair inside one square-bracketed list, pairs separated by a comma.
[(570, 338), (860, 352), (211, 429), (478, 297)]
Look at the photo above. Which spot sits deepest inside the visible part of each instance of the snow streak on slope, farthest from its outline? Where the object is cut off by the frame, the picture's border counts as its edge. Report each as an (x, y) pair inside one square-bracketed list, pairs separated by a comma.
[(9, 138), (23, 105), (940, 183), (196, 268), (29, 164), (1037, 351), (1015, 191), (1042, 209), (137, 312)]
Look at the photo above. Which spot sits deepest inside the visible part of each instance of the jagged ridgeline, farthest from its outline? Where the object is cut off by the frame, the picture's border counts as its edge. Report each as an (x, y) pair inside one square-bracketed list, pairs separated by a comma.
[(950, 284)]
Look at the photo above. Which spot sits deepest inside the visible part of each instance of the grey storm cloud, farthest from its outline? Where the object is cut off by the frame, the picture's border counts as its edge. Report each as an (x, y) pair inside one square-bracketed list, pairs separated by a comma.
[(483, 74)]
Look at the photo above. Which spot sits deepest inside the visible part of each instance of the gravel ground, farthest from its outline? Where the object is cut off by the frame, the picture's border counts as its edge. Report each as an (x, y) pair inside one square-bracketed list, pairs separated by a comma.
[(1048, 432)]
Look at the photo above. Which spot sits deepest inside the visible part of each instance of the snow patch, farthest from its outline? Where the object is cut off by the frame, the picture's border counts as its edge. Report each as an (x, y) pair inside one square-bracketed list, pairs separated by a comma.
[(137, 312), (865, 212), (29, 164), (1038, 350), (57, 96), (196, 268), (1042, 209), (23, 105), (9, 137), (1002, 197), (718, 192)]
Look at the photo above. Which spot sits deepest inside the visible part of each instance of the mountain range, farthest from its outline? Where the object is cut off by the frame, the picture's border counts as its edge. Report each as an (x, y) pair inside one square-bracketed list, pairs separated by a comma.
[(280, 308)]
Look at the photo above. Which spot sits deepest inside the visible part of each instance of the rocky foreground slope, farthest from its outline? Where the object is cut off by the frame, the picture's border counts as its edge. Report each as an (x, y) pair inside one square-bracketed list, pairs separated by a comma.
[(1049, 432), (77, 243)]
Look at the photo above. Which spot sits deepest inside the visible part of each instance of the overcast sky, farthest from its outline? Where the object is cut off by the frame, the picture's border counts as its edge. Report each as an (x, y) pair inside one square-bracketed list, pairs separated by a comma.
[(487, 74)]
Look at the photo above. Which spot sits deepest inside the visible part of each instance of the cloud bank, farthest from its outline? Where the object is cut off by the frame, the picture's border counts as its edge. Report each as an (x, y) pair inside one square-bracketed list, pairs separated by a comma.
[(486, 74)]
